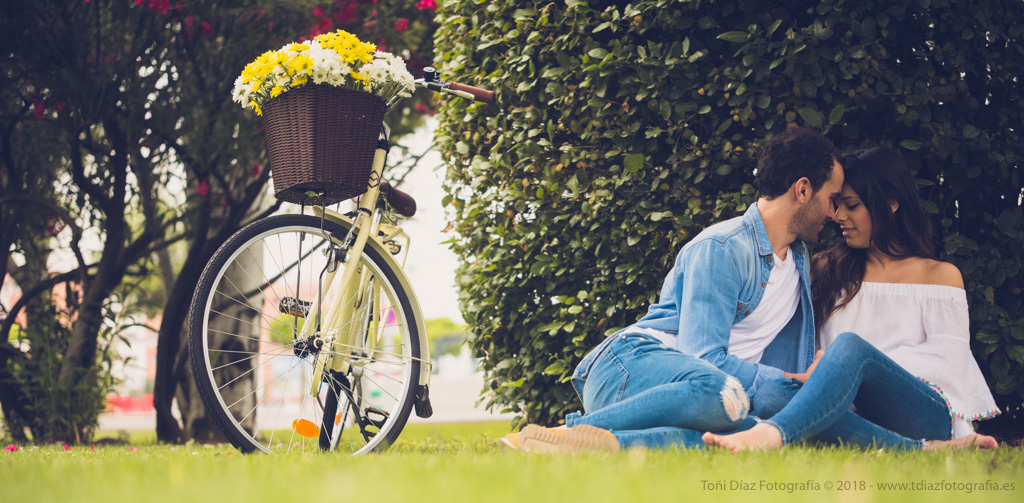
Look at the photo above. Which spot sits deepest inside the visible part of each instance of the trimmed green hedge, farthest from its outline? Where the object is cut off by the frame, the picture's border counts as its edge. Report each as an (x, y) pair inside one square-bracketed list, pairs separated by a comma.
[(621, 131)]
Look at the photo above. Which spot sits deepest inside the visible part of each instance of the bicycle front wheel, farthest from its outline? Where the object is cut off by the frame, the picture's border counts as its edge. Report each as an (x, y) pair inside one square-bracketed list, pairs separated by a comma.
[(254, 359)]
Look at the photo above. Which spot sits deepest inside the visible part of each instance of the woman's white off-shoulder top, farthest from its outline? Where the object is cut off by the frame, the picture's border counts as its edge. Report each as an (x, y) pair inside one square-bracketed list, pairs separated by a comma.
[(926, 330)]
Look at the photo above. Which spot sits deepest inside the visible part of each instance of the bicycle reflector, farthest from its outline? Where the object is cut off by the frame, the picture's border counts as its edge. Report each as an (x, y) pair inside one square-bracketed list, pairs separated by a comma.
[(294, 307), (305, 428)]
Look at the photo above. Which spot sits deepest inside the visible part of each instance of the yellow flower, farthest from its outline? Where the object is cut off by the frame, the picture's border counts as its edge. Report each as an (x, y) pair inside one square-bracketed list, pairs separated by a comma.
[(299, 64), (276, 91)]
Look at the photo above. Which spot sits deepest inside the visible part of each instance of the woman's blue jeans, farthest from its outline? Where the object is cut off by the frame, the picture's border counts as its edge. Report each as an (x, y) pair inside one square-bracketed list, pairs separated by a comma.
[(648, 394), (893, 406)]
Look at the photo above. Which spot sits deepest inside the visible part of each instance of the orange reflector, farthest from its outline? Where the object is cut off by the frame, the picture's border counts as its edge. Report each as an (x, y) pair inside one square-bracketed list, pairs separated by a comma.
[(337, 419), (305, 428)]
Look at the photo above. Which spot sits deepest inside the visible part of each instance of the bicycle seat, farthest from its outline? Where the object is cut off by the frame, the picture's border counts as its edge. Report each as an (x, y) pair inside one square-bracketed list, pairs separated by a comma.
[(402, 202)]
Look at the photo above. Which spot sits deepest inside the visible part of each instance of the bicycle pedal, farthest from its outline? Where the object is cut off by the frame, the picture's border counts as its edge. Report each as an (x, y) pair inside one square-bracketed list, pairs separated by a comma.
[(376, 421), (294, 307)]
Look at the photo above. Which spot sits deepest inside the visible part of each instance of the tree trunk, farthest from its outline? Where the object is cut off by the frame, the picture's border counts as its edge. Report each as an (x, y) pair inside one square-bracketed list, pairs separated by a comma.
[(245, 371)]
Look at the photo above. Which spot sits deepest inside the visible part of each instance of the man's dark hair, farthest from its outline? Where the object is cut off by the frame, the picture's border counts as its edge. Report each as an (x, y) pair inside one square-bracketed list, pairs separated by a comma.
[(792, 155)]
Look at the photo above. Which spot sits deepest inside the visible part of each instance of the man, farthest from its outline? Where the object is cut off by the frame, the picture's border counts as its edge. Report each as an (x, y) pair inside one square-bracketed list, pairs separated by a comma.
[(732, 328)]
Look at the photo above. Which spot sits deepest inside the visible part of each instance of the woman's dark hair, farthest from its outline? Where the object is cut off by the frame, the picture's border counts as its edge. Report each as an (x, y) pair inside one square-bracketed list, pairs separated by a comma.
[(878, 176), (790, 156)]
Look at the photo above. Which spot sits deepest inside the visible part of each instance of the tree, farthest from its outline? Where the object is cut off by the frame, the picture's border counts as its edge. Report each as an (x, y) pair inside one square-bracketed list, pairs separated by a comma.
[(629, 128)]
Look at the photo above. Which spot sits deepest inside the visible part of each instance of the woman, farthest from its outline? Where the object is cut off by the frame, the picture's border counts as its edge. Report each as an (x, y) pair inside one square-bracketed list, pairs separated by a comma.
[(910, 369)]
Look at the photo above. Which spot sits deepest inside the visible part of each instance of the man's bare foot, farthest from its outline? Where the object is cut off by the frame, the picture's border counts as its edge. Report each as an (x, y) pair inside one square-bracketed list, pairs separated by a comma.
[(972, 441), (761, 437)]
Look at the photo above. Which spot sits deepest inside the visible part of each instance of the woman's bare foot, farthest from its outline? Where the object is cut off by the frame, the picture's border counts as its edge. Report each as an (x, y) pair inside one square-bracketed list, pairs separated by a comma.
[(761, 437), (973, 440)]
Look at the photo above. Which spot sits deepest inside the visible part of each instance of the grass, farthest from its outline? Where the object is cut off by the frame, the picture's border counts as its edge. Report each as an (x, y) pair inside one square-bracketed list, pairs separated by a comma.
[(460, 462)]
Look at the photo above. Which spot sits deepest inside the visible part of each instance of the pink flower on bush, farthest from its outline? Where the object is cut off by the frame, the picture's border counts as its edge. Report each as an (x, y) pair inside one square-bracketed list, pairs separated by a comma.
[(189, 21), (348, 13), (38, 109), (401, 25), (66, 447), (205, 29), (11, 448), (203, 188), (160, 6), (318, 11), (427, 5), (256, 169)]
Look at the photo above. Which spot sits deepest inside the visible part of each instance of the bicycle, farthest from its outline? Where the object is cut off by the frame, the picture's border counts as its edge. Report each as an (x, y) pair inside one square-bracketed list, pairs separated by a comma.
[(305, 329)]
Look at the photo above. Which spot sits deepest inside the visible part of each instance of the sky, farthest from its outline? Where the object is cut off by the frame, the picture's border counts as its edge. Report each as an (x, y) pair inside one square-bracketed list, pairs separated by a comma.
[(431, 264)]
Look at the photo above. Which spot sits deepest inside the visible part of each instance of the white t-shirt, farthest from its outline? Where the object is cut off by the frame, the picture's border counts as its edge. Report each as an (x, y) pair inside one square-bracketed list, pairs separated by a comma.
[(751, 335)]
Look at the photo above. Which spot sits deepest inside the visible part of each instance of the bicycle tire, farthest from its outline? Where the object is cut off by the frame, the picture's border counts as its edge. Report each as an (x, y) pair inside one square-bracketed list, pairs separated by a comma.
[(254, 343)]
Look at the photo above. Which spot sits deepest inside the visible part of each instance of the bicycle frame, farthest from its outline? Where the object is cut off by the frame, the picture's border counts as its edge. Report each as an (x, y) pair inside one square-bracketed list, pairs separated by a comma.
[(354, 284)]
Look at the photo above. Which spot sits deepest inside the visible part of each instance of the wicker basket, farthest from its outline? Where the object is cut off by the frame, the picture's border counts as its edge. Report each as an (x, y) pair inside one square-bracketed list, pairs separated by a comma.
[(321, 142)]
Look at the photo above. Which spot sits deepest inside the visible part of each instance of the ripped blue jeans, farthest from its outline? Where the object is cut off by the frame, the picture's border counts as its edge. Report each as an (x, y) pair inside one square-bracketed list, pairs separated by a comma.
[(895, 409), (650, 395)]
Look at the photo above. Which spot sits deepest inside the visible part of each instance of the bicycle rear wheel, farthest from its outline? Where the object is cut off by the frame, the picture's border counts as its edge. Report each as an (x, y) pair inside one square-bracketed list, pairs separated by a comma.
[(254, 365)]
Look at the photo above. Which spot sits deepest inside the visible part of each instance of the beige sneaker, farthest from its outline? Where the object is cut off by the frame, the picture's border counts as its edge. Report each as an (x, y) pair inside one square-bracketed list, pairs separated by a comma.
[(582, 438), (510, 441)]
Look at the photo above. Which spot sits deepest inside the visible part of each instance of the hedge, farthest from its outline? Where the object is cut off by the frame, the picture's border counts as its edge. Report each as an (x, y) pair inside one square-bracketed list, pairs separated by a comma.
[(620, 131)]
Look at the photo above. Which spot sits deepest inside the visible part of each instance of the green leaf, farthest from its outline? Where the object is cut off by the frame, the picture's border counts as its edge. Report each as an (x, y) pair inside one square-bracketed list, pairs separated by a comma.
[(1000, 367), (811, 117), (1008, 220), (911, 144), (734, 36), (971, 131), (836, 115), (987, 337), (1016, 353), (634, 162), (504, 364), (598, 53), (555, 369)]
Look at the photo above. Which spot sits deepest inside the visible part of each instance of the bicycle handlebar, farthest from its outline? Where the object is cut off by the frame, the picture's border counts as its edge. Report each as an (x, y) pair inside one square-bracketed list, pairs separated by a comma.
[(431, 81), (478, 94)]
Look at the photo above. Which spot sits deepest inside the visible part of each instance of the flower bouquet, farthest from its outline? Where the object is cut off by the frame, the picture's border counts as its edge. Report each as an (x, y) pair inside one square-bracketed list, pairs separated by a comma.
[(322, 102)]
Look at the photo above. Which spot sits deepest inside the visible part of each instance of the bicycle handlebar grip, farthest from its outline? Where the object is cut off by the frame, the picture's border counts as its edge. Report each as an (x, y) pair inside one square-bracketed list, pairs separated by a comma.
[(478, 94)]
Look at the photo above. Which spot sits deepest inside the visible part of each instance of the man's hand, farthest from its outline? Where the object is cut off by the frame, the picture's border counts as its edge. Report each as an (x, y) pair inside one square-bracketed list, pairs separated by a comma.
[(802, 377)]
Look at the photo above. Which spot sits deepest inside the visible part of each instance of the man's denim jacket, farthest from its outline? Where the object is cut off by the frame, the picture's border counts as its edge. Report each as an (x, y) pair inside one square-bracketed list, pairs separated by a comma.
[(718, 279)]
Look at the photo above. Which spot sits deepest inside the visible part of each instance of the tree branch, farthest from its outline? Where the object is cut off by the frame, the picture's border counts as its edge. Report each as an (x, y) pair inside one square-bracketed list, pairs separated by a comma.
[(76, 231), (29, 296)]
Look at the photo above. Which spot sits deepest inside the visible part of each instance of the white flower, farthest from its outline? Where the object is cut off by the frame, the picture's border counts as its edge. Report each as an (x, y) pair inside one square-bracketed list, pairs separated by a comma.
[(241, 92), (335, 79)]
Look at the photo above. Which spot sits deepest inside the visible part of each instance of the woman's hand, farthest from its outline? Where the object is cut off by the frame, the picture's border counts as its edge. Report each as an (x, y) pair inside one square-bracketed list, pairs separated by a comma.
[(802, 377)]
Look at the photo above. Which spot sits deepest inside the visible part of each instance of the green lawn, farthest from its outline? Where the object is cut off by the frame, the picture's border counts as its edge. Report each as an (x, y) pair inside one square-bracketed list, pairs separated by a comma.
[(462, 463)]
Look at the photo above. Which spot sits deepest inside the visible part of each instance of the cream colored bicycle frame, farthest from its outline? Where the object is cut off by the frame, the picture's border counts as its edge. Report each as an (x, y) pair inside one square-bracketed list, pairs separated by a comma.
[(355, 285)]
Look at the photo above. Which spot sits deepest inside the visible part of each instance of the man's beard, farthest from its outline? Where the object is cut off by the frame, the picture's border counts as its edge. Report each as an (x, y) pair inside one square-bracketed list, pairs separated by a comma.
[(805, 224)]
